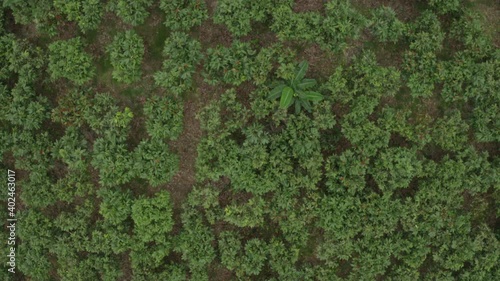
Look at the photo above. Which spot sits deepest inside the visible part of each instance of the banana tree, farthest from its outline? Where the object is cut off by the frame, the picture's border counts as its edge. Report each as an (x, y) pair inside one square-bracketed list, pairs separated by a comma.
[(296, 91)]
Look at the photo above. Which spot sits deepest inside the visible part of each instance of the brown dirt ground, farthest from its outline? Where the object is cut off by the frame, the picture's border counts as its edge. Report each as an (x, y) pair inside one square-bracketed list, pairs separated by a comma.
[(150, 64), (186, 147), (211, 6), (406, 10), (302, 6), (218, 272), (321, 63), (211, 34)]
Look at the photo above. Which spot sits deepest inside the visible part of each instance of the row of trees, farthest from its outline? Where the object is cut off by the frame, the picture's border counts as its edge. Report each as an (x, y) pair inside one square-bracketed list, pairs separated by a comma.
[(68, 59), (404, 199), (59, 218)]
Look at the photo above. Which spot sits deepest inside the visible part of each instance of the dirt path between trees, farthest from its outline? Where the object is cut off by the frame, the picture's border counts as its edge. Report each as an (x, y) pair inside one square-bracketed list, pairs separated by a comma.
[(186, 148)]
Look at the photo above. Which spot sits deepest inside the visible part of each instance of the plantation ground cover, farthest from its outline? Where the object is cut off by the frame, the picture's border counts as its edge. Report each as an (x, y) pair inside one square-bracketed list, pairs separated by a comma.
[(151, 140)]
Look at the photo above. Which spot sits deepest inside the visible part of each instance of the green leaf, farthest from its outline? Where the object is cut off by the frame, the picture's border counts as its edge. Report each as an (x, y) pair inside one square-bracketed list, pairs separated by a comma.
[(306, 83), (301, 72), (276, 92), (297, 106), (313, 96), (306, 105), (286, 97)]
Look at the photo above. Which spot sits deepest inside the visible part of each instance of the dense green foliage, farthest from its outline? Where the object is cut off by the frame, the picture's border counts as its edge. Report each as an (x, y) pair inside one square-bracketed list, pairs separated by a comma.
[(294, 91), (40, 13), (184, 14), (126, 53), (154, 163), (86, 13), (386, 26), (164, 117), (67, 59), (331, 31), (238, 15), (172, 152), (133, 12), (183, 53)]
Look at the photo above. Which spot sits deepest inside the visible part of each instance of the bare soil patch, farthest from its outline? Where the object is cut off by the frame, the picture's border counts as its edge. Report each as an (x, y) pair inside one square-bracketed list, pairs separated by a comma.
[(406, 10), (302, 6), (321, 63), (212, 35), (186, 148)]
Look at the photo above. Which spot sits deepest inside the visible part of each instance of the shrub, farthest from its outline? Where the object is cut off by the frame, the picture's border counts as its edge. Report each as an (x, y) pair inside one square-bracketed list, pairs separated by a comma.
[(71, 107), (41, 13), (247, 262), (116, 205), (342, 22), (395, 168), (71, 149), (446, 6), (111, 158), (22, 107), (451, 132)]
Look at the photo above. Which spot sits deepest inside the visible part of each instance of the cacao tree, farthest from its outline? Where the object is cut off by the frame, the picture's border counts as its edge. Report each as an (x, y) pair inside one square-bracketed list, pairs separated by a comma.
[(164, 117), (183, 55), (40, 13), (451, 132), (67, 59), (86, 13), (184, 14), (386, 26), (113, 161), (238, 15), (133, 12), (395, 168), (153, 218), (72, 150), (154, 162), (245, 263), (126, 53), (233, 65)]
